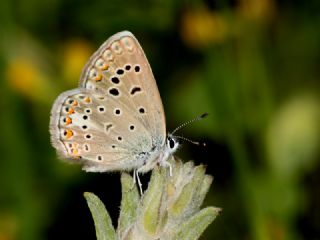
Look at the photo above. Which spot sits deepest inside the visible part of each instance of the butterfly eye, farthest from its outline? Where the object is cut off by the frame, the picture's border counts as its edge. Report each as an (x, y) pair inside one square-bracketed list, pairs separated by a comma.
[(171, 142)]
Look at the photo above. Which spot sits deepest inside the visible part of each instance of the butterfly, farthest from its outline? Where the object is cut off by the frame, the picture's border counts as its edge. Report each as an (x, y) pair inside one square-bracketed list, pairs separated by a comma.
[(114, 120)]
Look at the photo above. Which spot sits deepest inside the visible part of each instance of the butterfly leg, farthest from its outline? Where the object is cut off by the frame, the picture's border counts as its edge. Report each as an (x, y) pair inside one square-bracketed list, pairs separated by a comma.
[(133, 179), (167, 164), (136, 178)]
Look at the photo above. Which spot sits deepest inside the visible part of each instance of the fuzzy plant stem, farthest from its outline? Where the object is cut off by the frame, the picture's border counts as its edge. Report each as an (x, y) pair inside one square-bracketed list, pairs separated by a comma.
[(169, 209)]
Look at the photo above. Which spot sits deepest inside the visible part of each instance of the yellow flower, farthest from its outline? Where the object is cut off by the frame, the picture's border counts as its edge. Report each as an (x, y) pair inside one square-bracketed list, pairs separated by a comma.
[(8, 226), (202, 27), (74, 56), (26, 78), (22, 75), (257, 9)]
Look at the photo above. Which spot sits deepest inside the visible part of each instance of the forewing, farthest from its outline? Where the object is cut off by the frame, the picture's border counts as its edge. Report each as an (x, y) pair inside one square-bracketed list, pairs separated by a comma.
[(120, 68)]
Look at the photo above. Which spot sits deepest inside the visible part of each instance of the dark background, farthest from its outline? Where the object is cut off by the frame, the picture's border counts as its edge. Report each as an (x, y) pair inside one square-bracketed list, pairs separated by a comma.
[(253, 65)]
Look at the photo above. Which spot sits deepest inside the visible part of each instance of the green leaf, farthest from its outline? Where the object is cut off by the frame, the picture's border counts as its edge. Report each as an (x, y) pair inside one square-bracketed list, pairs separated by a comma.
[(184, 203), (129, 204), (194, 226), (151, 204), (169, 209), (204, 188), (102, 220)]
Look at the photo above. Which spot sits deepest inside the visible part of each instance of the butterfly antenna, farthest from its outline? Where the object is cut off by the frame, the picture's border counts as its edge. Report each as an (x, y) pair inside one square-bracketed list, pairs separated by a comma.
[(188, 122), (190, 141)]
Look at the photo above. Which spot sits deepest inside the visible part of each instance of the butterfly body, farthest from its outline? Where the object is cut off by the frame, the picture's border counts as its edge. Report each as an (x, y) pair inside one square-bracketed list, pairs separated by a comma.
[(115, 120)]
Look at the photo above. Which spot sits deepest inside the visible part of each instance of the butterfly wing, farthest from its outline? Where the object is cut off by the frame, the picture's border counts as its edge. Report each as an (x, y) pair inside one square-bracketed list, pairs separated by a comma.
[(121, 65), (116, 115)]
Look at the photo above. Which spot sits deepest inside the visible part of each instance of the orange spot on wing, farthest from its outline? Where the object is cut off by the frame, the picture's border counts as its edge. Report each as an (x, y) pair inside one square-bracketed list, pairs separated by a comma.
[(105, 67), (71, 111), (74, 151), (87, 100), (98, 78), (68, 120), (75, 103), (68, 133)]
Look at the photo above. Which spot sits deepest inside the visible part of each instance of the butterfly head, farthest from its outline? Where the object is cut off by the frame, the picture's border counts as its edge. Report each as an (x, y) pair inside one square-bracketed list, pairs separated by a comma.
[(172, 143)]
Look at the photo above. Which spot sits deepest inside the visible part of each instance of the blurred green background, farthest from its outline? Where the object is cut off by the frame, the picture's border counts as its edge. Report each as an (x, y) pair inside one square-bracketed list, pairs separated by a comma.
[(254, 65)]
